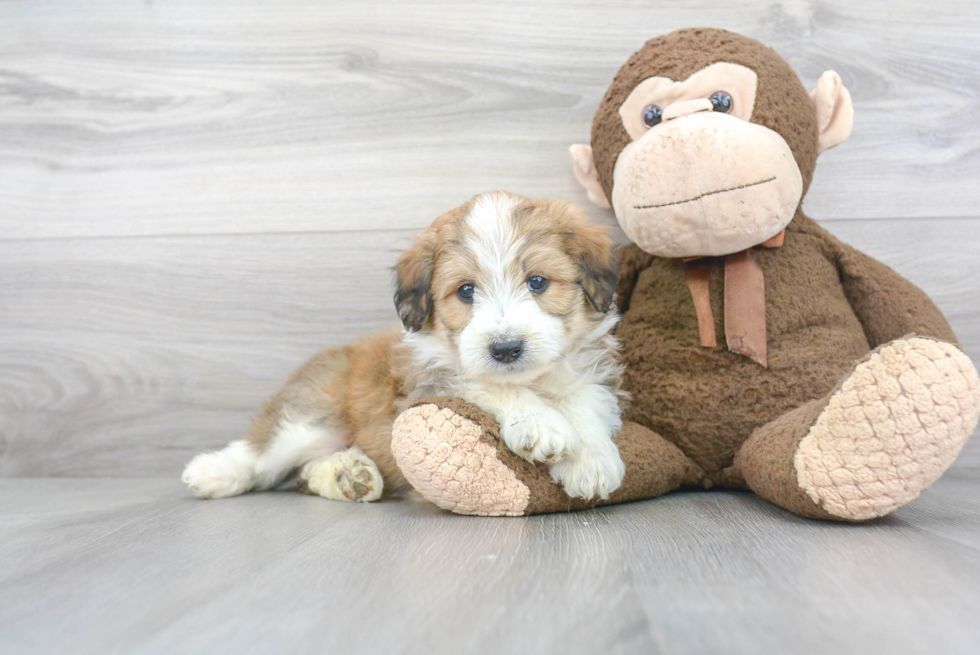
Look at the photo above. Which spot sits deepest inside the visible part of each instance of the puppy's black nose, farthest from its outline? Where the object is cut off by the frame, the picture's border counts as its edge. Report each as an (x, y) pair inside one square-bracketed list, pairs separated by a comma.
[(506, 351)]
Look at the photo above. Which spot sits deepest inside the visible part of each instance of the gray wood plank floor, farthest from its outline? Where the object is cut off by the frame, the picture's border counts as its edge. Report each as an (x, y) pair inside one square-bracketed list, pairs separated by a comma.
[(139, 566)]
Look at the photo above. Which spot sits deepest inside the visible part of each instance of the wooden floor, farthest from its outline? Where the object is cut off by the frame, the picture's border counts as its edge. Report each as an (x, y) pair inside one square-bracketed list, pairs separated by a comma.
[(196, 196), (139, 566)]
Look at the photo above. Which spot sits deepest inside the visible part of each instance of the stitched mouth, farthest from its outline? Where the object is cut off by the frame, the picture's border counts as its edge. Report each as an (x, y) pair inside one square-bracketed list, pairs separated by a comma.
[(709, 193)]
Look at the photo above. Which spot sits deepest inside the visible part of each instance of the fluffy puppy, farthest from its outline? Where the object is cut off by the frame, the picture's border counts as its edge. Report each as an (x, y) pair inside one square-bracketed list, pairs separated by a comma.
[(505, 302)]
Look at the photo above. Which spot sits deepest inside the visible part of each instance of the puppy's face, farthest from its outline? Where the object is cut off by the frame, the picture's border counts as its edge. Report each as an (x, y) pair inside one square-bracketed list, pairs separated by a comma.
[(507, 285)]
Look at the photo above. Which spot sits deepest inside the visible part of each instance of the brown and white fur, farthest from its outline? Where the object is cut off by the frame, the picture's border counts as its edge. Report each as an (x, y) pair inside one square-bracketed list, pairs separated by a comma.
[(557, 402)]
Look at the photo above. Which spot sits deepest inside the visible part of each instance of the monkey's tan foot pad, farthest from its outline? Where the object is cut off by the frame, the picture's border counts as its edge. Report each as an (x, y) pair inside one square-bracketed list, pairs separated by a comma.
[(890, 430), (451, 459), (346, 475)]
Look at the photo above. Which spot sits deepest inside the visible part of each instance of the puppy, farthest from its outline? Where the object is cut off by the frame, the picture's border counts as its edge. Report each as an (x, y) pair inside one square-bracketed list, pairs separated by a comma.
[(505, 302)]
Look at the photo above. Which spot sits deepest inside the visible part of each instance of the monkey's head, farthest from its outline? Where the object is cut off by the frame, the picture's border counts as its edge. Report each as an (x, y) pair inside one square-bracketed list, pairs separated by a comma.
[(706, 141)]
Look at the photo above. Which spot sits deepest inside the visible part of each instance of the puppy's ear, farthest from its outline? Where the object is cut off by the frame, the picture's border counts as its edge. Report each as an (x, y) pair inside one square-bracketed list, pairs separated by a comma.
[(595, 252), (413, 281), (598, 264)]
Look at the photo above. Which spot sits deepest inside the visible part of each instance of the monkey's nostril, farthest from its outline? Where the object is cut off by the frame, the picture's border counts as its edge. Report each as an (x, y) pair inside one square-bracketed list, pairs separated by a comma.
[(686, 107), (506, 351)]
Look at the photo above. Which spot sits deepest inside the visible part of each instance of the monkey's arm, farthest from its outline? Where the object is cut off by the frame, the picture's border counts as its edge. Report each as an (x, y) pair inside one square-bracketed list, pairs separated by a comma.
[(632, 260), (888, 305)]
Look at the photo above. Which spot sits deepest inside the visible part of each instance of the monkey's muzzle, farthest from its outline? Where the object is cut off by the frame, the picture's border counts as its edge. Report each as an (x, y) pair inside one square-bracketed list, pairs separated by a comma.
[(705, 184)]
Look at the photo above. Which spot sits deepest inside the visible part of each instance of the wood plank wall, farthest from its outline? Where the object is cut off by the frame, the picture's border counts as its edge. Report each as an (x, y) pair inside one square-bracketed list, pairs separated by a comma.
[(196, 196)]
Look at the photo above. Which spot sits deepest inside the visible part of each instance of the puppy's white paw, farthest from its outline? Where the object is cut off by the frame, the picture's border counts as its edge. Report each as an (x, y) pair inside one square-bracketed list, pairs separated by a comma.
[(542, 436), (590, 474), (228, 472), (346, 475)]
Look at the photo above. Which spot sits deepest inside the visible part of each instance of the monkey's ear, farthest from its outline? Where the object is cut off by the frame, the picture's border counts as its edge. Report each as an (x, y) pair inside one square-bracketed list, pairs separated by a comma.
[(413, 281), (586, 174), (835, 113)]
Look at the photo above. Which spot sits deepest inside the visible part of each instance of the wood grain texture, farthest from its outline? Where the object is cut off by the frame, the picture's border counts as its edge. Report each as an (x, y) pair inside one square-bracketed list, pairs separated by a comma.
[(109, 346), (130, 118), (139, 566), (125, 357)]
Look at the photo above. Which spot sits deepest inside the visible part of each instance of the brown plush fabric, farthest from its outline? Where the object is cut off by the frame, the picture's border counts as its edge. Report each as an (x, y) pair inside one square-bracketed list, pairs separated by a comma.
[(708, 401), (653, 466), (887, 305), (782, 103), (766, 460)]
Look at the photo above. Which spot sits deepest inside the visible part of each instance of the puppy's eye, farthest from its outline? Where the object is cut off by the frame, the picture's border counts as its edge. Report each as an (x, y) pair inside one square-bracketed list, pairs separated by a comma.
[(722, 101), (537, 284), (652, 115), (465, 292)]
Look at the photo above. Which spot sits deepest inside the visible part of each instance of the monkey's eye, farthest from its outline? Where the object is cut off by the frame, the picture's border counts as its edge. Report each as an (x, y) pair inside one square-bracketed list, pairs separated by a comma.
[(465, 292), (722, 101), (537, 284), (651, 115)]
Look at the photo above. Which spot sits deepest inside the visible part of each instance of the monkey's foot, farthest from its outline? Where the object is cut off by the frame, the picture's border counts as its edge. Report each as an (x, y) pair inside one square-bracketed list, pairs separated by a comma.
[(448, 451), (890, 430)]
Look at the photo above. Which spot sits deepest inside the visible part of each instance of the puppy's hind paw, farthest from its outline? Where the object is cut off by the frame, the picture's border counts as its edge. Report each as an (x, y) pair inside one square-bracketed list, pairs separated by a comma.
[(347, 475), (225, 473)]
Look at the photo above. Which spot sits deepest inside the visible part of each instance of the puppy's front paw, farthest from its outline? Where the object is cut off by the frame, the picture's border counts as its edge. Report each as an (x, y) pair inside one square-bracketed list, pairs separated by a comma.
[(543, 436), (590, 475)]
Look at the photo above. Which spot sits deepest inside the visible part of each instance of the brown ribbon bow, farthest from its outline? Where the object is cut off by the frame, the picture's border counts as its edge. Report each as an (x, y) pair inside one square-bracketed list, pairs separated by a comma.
[(745, 301)]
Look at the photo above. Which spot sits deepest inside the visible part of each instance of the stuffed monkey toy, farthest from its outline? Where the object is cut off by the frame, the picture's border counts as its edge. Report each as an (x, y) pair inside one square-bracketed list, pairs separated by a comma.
[(761, 352)]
